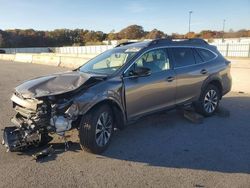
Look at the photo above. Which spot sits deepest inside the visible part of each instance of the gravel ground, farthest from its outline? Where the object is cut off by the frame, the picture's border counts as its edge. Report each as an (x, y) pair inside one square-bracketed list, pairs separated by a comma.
[(161, 150)]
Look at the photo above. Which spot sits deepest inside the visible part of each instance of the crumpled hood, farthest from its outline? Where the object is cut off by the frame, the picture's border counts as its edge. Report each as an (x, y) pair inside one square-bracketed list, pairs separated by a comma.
[(54, 84)]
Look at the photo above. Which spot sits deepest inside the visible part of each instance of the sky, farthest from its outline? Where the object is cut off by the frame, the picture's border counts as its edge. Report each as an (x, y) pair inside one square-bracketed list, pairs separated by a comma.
[(107, 15)]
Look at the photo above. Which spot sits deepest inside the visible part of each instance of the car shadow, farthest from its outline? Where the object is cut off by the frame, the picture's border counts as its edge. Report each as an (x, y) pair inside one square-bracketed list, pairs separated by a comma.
[(167, 139)]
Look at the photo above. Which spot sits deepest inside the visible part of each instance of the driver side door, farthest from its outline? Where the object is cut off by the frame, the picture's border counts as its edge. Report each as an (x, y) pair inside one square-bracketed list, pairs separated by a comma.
[(148, 93)]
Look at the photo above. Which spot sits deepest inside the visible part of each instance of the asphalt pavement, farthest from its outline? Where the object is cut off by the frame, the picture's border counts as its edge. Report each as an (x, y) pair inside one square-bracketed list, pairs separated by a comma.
[(161, 150)]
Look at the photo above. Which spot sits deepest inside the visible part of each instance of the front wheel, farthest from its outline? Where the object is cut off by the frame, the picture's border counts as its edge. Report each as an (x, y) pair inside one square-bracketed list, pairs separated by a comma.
[(208, 101), (96, 129)]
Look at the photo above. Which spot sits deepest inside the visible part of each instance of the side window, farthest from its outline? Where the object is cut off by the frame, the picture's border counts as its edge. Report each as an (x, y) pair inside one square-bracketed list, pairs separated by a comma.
[(155, 60), (183, 57), (206, 55), (197, 57)]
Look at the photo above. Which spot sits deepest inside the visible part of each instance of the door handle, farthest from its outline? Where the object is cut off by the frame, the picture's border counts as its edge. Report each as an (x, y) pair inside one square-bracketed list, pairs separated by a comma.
[(203, 71), (170, 78)]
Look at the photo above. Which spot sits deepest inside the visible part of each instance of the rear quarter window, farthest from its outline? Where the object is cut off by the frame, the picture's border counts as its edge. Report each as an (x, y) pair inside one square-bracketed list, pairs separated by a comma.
[(206, 54)]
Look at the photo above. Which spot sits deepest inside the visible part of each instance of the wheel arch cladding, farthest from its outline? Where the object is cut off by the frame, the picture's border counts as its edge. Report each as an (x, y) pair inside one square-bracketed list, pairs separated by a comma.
[(218, 84), (214, 81)]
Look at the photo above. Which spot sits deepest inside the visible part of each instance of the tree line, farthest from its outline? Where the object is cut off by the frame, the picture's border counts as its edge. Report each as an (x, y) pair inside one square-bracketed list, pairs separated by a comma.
[(65, 37)]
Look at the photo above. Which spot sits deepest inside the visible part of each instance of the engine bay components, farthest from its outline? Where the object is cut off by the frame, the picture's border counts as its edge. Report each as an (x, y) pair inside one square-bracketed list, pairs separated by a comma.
[(61, 124)]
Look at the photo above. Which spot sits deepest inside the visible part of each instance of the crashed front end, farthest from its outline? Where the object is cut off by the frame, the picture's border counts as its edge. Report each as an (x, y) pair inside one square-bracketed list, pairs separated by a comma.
[(36, 118), (45, 105), (29, 123)]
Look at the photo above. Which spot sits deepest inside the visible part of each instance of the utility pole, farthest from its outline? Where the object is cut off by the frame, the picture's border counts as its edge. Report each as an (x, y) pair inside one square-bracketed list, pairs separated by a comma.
[(189, 25), (223, 29)]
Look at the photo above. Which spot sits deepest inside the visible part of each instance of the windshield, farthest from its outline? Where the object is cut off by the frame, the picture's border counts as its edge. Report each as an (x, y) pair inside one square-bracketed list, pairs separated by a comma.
[(108, 62)]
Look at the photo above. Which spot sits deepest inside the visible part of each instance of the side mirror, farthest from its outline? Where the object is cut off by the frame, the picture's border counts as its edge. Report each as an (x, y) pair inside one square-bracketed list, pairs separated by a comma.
[(140, 72)]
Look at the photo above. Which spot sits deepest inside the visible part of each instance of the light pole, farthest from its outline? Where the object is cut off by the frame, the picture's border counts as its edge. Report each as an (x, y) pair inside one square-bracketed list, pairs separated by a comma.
[(223, 29), (189, 25)]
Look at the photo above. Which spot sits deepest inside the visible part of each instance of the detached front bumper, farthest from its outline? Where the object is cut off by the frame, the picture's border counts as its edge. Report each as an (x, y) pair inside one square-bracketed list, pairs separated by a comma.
[(30, 112)]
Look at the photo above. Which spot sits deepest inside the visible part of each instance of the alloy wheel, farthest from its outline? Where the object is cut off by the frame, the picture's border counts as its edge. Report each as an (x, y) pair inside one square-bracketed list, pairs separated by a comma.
[(103, 129), (210, 101)]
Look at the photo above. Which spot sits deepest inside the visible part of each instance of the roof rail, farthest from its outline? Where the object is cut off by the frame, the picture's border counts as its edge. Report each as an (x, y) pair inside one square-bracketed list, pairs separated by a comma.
[(124, 44), (181, 41), (157, 41), (197, 41)]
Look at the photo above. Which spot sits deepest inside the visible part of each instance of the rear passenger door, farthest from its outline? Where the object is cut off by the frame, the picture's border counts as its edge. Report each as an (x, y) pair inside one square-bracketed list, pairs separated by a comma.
[(190, 73)]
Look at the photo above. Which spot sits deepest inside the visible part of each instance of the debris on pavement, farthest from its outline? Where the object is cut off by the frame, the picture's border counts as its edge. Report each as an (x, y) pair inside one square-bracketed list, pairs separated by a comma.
[(44, 153), (193, 116)]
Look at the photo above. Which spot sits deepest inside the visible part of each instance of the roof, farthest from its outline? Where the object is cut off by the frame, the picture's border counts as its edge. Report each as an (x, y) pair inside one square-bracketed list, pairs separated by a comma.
[(159, 42)]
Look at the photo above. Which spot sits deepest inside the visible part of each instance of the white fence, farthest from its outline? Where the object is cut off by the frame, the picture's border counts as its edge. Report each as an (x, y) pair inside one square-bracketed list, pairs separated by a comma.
[(228, 50), (83, 49), (62, 50), (25, 50), (233, 50)]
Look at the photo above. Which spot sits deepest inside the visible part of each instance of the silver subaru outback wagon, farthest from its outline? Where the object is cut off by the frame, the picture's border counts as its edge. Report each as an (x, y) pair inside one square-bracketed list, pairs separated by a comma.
[(117, 87)]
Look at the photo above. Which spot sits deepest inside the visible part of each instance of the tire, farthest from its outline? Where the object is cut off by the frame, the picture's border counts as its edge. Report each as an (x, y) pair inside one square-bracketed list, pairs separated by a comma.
[(96, 129), (209, 101)]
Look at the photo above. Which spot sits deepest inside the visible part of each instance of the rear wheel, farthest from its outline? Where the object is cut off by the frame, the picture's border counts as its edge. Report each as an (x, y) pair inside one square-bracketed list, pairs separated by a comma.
[(96, 129), (208, 101)]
